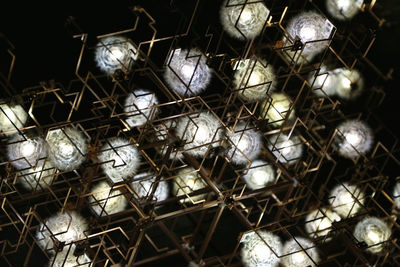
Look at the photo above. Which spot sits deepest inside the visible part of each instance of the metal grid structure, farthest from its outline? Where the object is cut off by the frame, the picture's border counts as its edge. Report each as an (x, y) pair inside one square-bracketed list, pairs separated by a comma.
[(205, 232)]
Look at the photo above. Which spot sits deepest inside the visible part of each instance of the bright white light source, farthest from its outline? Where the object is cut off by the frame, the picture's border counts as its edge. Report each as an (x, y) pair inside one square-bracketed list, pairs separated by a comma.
[(259, 174), (187, 181), (350, 83), (139, 107), (24, 152), (319, 222), (39, 177), (144, 183), (261, 248), (325, 80), (243, 20), (187, 72), (67, 148), (312, 29), (374, 232), (105, 200), (245, 144), (343, 9), (354, 138), (254, 77), (346, 200), (296, 249), (65, 226), (200, 133), (287, 150), (120, 159), (115, 52), (66, 258), (276, 108), (11, 118)]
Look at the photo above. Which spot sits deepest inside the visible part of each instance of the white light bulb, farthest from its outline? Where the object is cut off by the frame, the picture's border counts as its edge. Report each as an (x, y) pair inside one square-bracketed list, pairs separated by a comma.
[(67, 148), (243, 143), (28, 148), (346, 82), (299, 257), (259, 250), (187, 71), (116, 53), (254, 79), (354, 138), (258, 177), (245, 16), (190, 183), (202, 134), (373, 236), (307, 34)]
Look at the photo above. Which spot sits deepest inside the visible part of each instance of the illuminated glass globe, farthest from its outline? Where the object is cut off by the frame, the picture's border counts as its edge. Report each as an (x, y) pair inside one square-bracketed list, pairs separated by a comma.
[(396, 194), (354, 138), (259, 174), (105, 200), (66, 258), (313, 31), (276, 108), (343, 9), (67, 148), (39, 177), (325, 80), (65, 226), (200, 133), (319, 222), (11, 118), (261, 249), (349, 83), (187, 72), (120, 159), (187, 181), (285, 149), (346, 200), (254, 78), (139, 107), (300, 251), (143, 185), (243, 20), (24, 152), (374, 232), (115, 52), (245, 144)]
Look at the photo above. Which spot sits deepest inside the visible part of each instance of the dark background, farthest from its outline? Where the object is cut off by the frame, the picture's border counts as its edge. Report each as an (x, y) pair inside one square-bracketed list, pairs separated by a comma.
[(46, 50)]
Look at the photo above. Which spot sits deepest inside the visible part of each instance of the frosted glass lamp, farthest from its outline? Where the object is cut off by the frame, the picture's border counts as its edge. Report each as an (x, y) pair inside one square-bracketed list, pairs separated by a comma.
[(243, 19), (65, 226), (24, 152), (276, 108), (139, 107), (143, 185), (12, 117), (119, 159), (115, 52), (346, 199), (39, 177), (259, 174), (254, 78), (343, 9), (245, 144), (354, 138), (187, 181), (187, 72), (261, 249), (200, 132), (319, 222), (66, 258), (374, 232), (285, 149), (105, 200), (299, 251), (67, 148)]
